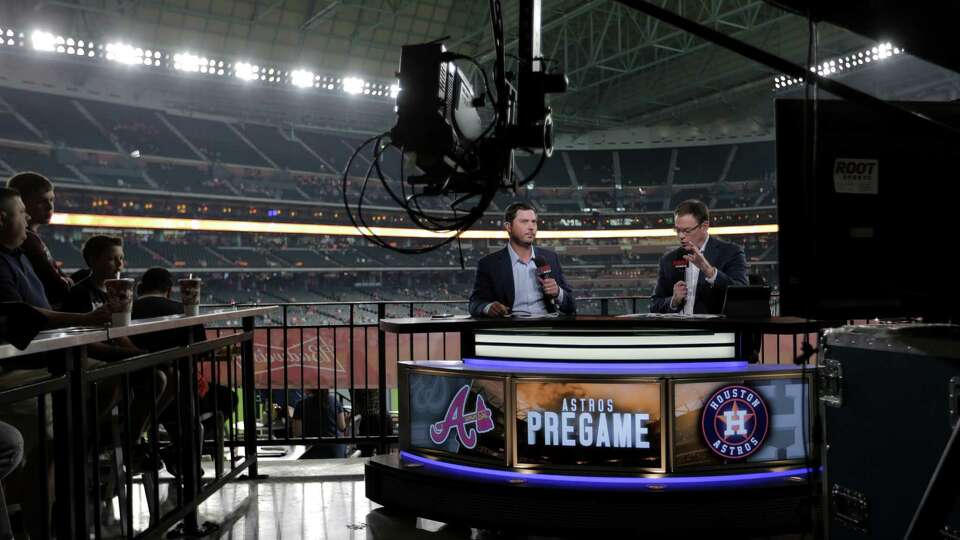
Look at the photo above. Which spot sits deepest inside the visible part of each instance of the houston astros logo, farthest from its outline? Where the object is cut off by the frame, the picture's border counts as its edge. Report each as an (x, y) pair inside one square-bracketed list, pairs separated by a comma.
[(735, 422), (457, 418)]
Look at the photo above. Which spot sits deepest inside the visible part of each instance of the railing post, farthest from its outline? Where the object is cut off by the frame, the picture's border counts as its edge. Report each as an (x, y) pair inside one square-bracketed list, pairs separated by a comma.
[(190, 443), (249, 389), (286, 377), (70, 451), (385, 423)]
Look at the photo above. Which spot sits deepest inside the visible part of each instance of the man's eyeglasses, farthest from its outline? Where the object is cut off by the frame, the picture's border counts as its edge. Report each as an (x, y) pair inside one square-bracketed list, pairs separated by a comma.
[(688, 230)]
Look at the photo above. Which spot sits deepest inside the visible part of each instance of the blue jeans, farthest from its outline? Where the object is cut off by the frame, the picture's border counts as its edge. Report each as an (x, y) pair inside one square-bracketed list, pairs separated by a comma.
[(11, 454)]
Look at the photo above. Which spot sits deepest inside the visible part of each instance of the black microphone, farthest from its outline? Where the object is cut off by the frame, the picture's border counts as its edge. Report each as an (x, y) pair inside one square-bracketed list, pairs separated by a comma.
[(543, 272), (680, 264)]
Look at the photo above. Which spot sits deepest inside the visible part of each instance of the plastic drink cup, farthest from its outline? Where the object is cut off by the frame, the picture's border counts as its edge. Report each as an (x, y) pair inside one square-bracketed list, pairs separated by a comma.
[(120, 299), (190, 295)]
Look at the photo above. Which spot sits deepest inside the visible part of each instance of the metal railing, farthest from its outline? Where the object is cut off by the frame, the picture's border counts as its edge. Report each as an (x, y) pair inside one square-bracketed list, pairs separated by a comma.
[(339, 347), (93, 442)]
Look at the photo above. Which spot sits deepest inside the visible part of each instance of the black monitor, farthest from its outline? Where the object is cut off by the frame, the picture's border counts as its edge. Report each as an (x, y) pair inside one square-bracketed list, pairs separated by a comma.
[(874, 231), (747, 302)]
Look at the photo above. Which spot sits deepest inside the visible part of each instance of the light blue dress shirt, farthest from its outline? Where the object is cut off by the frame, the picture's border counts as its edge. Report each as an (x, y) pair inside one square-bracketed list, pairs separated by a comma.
[(527, 292)]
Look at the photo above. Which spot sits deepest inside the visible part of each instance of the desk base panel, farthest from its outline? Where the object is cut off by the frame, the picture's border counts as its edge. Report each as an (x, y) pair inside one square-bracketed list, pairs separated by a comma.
[(495, 505)]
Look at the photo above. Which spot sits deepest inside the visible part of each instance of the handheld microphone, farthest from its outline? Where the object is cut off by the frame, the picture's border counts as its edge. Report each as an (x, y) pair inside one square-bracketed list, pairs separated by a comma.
[(680, 264), (543, 272)]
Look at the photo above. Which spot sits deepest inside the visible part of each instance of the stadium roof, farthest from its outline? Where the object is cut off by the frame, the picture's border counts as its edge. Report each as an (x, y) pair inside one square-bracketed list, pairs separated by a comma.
[(625, 68)]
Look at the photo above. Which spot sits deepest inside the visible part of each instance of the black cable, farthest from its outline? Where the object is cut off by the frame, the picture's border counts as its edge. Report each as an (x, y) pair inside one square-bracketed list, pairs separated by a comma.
[(427, 219), (499, 74), (363, 188), (459, 225), (373, 237), (345, 180), (404, 203), (487, 92), (810, 142)]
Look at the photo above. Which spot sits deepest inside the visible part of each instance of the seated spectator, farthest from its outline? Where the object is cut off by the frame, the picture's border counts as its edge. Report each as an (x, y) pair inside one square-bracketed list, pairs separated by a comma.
[(19, 283), (153, 300), (36, 191), (320, 414), (104, 257), (18, 280)]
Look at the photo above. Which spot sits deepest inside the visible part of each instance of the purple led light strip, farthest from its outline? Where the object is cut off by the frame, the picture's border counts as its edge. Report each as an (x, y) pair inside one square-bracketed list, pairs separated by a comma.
[(601, 367), (612, 481)]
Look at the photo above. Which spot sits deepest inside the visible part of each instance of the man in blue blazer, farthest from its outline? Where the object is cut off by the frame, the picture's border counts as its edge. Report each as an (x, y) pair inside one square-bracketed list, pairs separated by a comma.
[(694, 277), (508, 280)]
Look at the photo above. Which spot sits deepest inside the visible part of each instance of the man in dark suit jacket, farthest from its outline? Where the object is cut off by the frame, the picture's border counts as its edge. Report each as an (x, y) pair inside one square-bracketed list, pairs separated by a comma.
[(508, 281), (694, 277)]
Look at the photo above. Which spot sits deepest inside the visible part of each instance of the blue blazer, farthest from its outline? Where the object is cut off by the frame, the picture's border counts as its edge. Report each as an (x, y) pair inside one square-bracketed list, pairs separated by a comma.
[(494, 282), (730, 262)]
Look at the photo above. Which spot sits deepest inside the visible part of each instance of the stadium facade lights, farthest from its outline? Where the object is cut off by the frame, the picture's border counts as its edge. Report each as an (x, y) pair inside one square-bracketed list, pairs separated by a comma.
[(9, 38), (302, 78), (215, 225), (353, 85), (849, 62), (44, 41), (128, 54), (246, 71), (188, 62), (132, 54)]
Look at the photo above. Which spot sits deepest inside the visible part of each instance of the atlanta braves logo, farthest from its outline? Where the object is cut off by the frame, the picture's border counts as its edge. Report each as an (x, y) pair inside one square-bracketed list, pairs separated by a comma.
[(735, 422), (457, 419)]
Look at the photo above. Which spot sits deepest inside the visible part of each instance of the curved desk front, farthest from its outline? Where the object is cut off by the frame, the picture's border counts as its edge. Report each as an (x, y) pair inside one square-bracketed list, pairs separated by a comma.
[(562, 426)]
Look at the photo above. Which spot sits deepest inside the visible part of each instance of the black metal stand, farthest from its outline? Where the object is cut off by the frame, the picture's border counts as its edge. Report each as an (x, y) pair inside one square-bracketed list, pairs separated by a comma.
[(940, 495), (72, 516), (385, 424), (74, 437), (189, 444), (249, 412)]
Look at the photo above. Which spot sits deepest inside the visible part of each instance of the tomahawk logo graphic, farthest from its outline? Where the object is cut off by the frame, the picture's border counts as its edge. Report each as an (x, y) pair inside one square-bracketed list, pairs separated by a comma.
[(457, 418), (735, 422)]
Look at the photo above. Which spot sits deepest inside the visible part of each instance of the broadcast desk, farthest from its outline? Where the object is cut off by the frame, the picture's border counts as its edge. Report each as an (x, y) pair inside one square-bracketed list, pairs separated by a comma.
[(646, 424)]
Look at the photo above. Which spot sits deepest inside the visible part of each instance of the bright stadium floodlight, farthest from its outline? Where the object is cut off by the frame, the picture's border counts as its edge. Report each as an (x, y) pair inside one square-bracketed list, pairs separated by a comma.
[(187, 62), (876, 53), (246, 71), (124, 54), (43, 41), (353, 85), (301, 78), (394, 90)]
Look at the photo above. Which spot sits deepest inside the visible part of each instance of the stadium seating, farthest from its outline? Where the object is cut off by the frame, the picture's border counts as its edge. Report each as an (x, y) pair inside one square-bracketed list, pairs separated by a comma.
[(286, 153), (115, 177), (139, 129), (58, 119), (216, 141), (700, 164), (186, 178), (644, 167), (330, 147), (22, 159), (13, 129), (574, 189), (594, 168)]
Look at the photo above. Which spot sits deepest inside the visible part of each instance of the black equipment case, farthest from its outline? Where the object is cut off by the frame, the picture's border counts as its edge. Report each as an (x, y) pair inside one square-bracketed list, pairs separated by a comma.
[(890, 398)]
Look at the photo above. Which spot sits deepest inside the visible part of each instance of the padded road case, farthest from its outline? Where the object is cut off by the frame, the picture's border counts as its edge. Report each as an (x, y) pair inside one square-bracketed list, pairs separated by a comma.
[(889, 397)]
